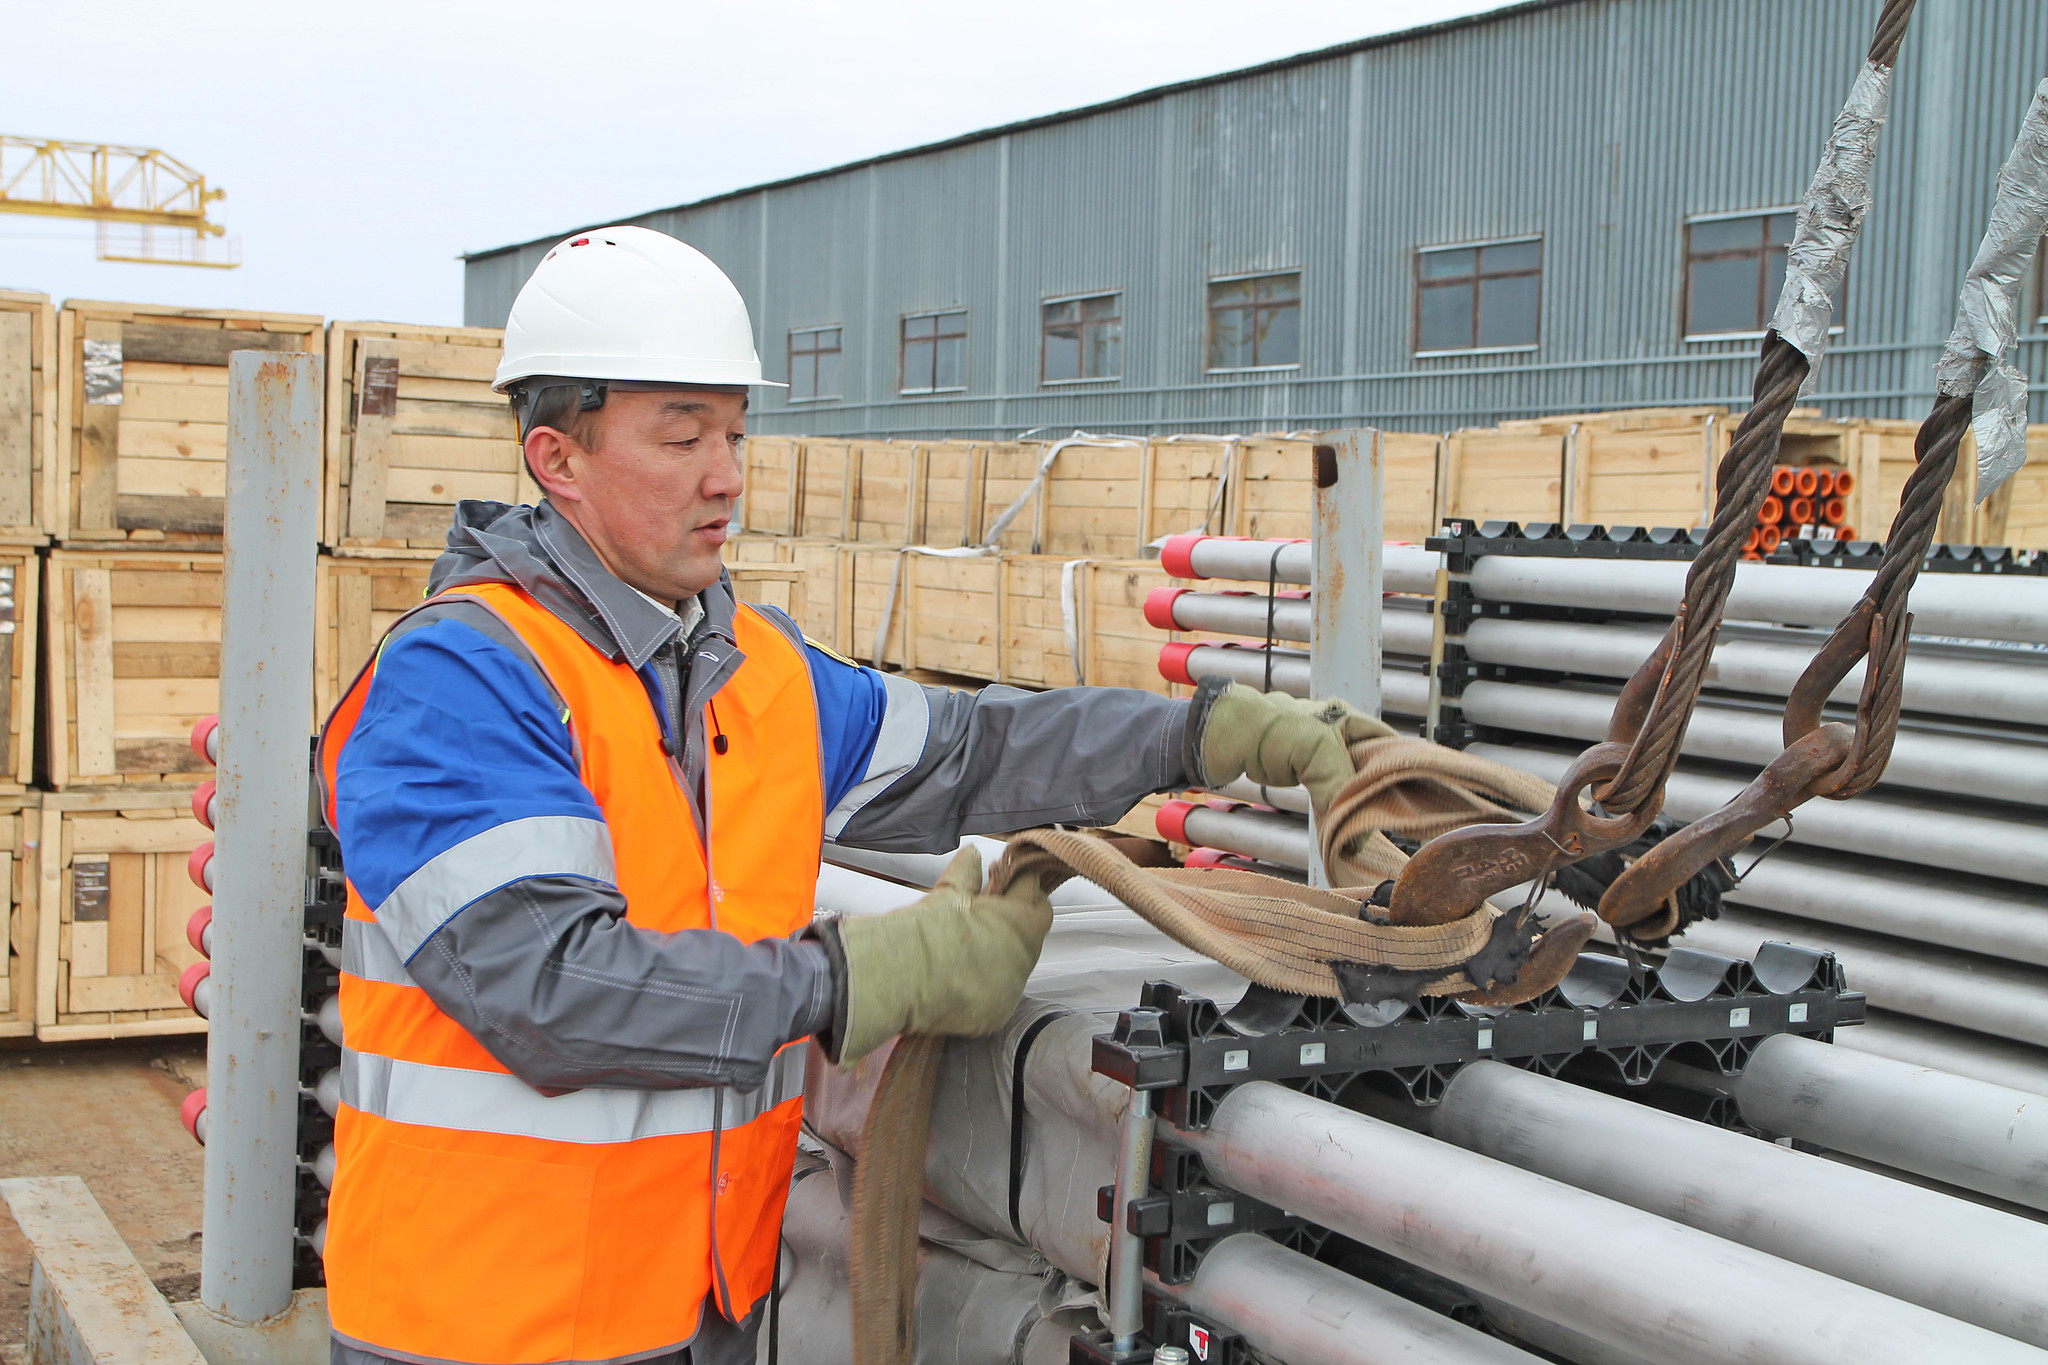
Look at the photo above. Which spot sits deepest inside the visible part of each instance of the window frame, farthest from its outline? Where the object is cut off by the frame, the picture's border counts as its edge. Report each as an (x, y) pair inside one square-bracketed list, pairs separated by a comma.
[(1045, 328), (1685, 259), (1209, 319), (838, 350), (903, 347), (1475, 247)]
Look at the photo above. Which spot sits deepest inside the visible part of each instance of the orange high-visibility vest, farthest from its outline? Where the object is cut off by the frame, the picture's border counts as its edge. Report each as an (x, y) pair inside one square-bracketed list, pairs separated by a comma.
[(473, 1218)]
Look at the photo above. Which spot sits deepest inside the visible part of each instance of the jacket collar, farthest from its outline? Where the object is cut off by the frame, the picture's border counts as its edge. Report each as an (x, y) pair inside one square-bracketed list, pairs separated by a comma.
[(537, 549)]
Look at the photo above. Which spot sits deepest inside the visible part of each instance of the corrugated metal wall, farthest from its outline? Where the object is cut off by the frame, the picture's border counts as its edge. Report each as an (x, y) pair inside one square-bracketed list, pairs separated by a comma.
[(1601, 125)]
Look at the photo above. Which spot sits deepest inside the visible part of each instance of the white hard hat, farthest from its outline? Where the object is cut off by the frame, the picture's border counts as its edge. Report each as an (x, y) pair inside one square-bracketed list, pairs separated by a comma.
[(632, 305)]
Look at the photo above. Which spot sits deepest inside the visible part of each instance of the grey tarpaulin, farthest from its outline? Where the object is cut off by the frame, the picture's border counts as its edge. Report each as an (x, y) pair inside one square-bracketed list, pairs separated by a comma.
[(980, 1301), (1829, 218), (1987, 314)]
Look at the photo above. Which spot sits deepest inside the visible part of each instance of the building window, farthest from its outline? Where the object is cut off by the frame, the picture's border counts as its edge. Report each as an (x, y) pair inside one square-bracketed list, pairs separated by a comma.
[(935, 352), (813, 363), (1082, 339), (1484, 297), (1255, 322), (1734, 268)]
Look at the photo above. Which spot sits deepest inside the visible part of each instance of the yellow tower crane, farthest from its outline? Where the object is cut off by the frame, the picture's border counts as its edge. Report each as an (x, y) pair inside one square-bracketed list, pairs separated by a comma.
[(150, 206)]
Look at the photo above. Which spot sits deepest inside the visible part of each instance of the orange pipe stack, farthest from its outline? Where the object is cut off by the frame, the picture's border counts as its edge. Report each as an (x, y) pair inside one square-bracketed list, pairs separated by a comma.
[(1803, 499)]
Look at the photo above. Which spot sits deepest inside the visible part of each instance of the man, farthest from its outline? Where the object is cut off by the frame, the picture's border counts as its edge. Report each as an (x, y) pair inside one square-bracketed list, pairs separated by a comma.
[(581, 795)]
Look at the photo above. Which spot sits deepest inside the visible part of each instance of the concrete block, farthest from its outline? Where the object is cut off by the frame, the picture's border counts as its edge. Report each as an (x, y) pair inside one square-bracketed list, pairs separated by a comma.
[(89, 1301)]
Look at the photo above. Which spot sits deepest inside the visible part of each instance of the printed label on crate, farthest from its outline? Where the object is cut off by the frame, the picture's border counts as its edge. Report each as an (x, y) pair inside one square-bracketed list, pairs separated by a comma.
[(7, 599), (380, 386), (103, 373), (91, 890)]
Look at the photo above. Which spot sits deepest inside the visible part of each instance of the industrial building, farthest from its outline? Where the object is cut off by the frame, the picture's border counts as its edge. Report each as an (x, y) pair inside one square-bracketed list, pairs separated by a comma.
[(1555, 207)]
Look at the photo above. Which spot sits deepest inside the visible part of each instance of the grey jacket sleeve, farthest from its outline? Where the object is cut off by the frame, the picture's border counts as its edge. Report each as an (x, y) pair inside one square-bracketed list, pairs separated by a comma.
[(1004, 759), (556, 984)]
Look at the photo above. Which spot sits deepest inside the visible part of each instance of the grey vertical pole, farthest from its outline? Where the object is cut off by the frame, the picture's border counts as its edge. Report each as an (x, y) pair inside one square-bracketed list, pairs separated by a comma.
[(266, 700), (1346, 555)]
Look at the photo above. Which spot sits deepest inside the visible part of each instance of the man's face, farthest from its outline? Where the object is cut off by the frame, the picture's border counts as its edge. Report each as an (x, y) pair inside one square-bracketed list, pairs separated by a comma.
[(655, 492)]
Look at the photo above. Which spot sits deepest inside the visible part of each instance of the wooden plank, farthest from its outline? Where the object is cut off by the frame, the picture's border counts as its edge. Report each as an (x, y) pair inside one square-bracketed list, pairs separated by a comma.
[(156, 401), (123, 834), (92, 627), (49, 889), (167, 582), (210, 382), (442, 360), (150, 478), (195, 697), (418, 522), (185, 516), (471, 453), (448, 486), (124, 919), (198, 344), (121, 994), (353, 631), (376, 374), (17, 417), (207, 441), (485, 421), (168, 625), (98, 444), (154, 659), (472, 391)]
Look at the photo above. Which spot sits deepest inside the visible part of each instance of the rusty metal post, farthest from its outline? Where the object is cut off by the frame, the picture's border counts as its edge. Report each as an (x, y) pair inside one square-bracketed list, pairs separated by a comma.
[(1346, 552), (266, 691)]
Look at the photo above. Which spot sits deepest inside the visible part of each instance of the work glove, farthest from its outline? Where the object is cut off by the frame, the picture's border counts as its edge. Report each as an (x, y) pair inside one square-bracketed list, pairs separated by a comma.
[(952, 963), (1281, 741)]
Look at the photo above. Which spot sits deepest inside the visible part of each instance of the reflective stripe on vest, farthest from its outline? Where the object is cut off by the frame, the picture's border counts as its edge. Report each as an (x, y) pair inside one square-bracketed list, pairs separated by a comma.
[(492, 1102), (474, 1218)]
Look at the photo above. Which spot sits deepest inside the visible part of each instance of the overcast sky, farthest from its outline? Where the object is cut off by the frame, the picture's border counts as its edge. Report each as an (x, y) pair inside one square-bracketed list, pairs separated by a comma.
[(365, 145)]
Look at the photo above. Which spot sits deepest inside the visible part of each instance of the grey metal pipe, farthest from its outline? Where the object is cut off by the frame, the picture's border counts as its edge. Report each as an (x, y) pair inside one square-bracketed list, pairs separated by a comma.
[(1970, 606), (1982, 768), (1920, 1042), (1265, 835), (1346, 553), (1125, 1292), (1926, 982), (1631, 1279), (1280, 798), (1303, 1312), (1959, 1259), (1964, 1132), (1403, 568), (1402, 631), (2014, 688), (1891, 827), (260, 863), (2000, 919)]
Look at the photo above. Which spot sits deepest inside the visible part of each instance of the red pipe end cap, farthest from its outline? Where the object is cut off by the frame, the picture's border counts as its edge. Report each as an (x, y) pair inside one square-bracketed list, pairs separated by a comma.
[(1172, 821), (189, 979), (202, 802), (202, 738), (190, 1110), (196, 866), (1782, 480), (1159, 608), (1175, 556), (1207, 857), (1806, 481), (1173, 661), (195, 928)]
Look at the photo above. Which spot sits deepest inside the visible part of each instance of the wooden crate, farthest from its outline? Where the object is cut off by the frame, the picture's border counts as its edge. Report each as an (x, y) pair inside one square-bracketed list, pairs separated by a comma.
[(1624, 419), (1639, 475), (1493, 474), (1002, 471), (942, 486), (20, 835), (950, 614), (28, 416), (780, 586), (112, 902), (356, 599), (824, 507), (824, 617), (1122, 648), (412, 429), (133, 640), (1272, 493), (772, 479), (21, 584), (1032, 640), (143, 427), (2020, 508)]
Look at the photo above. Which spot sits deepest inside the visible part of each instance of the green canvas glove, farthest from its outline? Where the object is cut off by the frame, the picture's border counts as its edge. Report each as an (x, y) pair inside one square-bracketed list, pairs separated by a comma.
[(1282, 741), (952, 963)]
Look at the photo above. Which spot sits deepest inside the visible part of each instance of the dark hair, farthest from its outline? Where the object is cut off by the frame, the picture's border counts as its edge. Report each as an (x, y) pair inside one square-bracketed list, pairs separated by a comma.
[(557, 406)]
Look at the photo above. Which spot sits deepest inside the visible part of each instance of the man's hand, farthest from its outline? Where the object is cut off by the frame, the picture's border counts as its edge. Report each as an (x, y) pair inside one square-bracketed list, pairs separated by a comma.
[(1282, 741), (952, 963)]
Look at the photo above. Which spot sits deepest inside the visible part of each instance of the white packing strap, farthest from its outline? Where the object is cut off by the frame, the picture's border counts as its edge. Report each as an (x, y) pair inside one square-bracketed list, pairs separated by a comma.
[(896, 586), (1023, 500), (1829, 218), (1987, 313), (1070, 617)]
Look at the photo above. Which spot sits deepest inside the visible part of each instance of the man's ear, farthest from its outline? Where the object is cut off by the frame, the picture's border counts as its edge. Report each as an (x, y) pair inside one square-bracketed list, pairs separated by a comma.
[(549, 459)]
